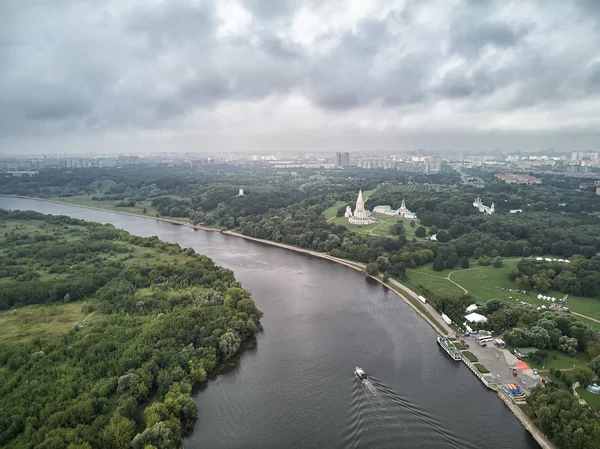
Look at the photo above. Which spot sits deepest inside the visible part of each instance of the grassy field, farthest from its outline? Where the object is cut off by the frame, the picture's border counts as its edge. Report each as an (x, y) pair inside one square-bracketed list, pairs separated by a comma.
[(434, 280), (586, 306), (593, 400), (559, 360), (27, 323), (332, 211)]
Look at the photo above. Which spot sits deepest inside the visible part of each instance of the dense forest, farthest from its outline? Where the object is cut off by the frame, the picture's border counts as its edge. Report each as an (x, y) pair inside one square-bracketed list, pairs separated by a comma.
[(156, 319)]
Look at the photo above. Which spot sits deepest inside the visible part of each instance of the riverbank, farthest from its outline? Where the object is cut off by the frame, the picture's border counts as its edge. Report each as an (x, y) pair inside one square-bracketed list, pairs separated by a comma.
[(168, 220)]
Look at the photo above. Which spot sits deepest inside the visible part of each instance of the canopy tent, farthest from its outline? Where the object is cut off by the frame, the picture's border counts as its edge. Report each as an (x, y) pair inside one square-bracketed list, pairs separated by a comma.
[(475, 318)]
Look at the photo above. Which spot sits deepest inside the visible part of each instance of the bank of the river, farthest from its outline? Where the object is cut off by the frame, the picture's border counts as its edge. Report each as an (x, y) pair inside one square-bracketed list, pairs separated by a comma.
[(168, 220), (428, 314)]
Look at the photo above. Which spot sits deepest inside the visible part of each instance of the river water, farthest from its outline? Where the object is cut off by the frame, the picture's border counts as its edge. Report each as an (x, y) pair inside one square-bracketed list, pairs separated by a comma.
[(296, 389)]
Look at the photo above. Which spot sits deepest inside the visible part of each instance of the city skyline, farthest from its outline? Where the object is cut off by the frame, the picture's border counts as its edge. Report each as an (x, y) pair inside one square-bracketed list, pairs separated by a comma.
[(257, 75)]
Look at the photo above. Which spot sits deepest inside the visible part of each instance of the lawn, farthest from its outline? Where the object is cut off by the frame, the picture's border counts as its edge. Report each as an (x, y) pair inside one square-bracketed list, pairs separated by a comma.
[(433, 280), (586, 306), (593, 400), (470, 356), (482, 369), (559, 360), (27, 323), (332, 211), (381, 227)]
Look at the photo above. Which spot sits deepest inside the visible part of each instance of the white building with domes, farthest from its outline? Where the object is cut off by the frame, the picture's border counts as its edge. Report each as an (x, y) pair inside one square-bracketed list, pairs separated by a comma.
[(360, 216)]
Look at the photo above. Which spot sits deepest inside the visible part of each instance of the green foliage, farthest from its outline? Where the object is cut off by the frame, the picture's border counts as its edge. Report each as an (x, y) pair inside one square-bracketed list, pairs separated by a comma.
[(420, 231), (160, 322), (558, 415), (584, 375), (470, 356), (482, 369), (451, 261), (464, 262), (579, 277), (593, 349), (439, 264), (524, 326), (523, 283), (497, 262), (443, 237), (372, 269), (484, 261)]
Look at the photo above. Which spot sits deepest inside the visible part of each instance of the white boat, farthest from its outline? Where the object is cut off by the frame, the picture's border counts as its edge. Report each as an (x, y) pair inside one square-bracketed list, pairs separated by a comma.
[(360, 373)]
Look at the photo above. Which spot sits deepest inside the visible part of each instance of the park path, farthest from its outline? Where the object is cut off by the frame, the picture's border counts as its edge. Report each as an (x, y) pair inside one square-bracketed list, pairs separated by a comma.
[(449, 278), (586, 317)]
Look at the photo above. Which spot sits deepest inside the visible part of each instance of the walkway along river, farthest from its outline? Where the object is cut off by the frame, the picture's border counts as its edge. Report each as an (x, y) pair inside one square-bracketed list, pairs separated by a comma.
[(296, 388)]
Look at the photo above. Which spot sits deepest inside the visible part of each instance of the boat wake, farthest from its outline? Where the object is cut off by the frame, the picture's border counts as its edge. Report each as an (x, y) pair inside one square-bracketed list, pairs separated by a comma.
[(382, 418)]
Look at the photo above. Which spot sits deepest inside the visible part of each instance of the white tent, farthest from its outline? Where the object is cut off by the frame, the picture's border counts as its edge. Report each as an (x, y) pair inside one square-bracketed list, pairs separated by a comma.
[(471, 308), (475, 318)]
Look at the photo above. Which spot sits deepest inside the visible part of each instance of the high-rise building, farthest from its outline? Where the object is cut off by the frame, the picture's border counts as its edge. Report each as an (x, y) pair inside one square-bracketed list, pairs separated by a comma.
[(342, 159)]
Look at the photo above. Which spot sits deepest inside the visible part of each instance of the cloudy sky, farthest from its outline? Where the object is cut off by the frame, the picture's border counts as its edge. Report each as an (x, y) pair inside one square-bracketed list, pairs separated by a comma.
[(195, 75)]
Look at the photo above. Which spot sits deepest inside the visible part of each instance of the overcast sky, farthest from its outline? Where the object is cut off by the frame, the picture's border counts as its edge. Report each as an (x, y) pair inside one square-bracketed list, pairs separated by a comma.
[(183, 75)]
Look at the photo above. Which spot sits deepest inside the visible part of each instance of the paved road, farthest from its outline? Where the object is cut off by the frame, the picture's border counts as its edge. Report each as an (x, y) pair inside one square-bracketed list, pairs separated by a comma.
[(500, 363)]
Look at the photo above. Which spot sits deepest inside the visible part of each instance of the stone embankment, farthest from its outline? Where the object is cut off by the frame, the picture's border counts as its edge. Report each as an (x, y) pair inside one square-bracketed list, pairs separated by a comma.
[(521, 416)]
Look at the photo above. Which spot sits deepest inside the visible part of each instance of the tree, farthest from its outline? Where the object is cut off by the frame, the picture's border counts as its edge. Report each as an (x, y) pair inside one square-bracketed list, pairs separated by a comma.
[(451, 261), (595, 365), (484, 261), (372, 269), (438, 263), (420, 231), (584, 375), (541, 283), (118, 433), (443, 236), (412, 223), (497, 262), (464, 262), (593, 349), (433, 230), (526, 252), (567, 345), (383, 263), (229, 344), (523, 283)]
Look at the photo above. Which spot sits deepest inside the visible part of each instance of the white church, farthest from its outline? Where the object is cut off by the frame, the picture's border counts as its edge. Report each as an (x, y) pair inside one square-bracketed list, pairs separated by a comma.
[(360, 216), (483, 208)]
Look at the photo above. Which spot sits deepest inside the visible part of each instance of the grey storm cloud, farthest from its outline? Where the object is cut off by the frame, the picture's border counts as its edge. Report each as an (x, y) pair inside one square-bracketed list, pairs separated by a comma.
[(74, 64)]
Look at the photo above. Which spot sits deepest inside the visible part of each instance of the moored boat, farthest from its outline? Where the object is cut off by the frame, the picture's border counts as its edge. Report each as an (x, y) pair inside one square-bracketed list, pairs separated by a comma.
[(449, 348)]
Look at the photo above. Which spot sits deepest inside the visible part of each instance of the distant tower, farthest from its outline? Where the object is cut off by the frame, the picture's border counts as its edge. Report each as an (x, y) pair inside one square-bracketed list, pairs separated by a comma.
[(402, 208), (348, 213), (492, 209), (241, 193)]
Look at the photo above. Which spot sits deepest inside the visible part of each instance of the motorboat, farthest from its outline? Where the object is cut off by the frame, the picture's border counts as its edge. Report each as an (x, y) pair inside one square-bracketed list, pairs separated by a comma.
[(360, 373)]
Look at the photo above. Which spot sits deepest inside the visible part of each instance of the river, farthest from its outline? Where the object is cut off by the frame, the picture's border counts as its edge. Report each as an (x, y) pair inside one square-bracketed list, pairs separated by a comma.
[(296, 389)]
